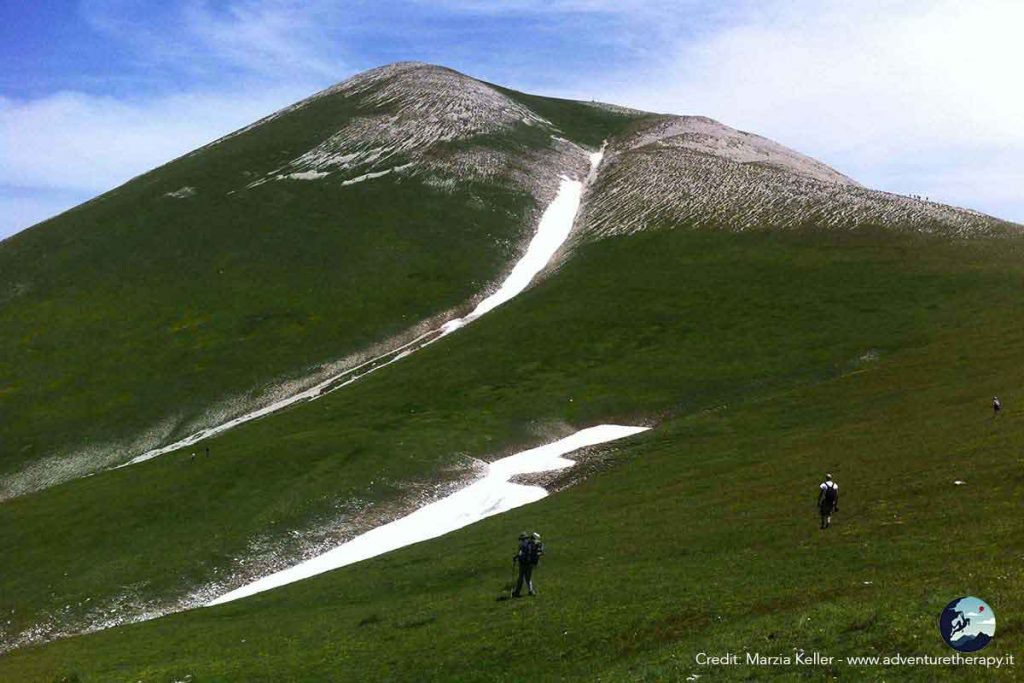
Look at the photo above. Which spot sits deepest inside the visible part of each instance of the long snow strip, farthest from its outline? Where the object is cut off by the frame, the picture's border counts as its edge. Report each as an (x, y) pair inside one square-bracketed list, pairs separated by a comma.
[(378, 174), (490, 495), (554, 227)]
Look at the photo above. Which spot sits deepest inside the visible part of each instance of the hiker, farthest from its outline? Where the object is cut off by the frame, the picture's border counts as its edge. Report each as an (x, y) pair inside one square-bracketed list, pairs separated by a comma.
[(528, 555), (996, 406), (828, 500)]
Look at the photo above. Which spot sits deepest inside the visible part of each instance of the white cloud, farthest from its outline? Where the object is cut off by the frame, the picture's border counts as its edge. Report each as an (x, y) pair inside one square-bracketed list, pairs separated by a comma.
[(87, 143), (905, 95), (60, 150), (266, 36), (276, 39)]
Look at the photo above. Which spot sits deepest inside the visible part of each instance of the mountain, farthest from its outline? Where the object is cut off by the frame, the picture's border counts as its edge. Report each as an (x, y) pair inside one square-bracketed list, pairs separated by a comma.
[(766, 316), (260, 264), (971, 643)]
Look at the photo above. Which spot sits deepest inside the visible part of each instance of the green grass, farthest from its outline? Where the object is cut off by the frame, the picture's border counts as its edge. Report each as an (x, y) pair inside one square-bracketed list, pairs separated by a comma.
[(754, 352), (588, 124), (137, 313)]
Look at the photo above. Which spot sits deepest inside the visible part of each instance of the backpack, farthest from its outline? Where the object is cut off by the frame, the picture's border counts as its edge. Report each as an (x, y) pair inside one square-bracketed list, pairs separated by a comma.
[(830, 493), (535, 550), (523, 554)]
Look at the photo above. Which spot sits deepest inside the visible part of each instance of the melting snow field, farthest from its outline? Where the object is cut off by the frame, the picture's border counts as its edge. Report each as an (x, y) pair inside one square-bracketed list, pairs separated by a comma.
[(491, 495), (554, 228)]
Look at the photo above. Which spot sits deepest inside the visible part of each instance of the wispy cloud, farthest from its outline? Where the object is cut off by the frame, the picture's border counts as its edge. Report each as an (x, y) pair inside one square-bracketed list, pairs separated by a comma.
[(910, 96), (272, 39), (90, 143), (58, 151)]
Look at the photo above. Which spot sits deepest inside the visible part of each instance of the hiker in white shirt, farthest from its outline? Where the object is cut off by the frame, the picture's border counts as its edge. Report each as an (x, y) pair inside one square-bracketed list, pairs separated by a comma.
[(828, 500)]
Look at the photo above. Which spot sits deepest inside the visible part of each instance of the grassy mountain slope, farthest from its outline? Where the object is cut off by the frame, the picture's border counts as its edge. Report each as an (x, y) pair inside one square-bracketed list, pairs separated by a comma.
[(763, 357), (588, 124), (193, 292), (768, 358), (261, 487)]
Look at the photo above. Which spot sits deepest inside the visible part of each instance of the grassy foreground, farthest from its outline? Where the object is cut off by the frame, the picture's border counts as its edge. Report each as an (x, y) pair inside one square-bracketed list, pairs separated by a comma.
[(767, 359)]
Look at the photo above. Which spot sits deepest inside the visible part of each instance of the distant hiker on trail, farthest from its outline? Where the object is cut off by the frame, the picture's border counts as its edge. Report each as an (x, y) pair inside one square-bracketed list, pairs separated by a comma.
[(828, 500), (528, 555), (996, 406)]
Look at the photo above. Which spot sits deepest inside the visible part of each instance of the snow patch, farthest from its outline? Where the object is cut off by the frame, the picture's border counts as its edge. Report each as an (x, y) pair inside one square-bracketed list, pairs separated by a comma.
[(491, 495), (182, 193), (554, 228), (377, 174), (305, 175), (555, 225)]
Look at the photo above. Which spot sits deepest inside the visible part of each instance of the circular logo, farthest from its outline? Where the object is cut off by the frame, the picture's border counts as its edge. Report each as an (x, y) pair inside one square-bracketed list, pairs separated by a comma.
[(967, 624)]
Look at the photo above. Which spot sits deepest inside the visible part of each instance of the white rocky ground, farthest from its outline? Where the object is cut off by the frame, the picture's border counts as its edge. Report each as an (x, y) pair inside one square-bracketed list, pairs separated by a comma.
[(431, 121), (695, 172)]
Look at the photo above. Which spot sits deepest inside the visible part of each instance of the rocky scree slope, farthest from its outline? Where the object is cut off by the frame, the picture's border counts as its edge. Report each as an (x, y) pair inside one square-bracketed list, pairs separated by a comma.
[(424, 119), (694, 171)]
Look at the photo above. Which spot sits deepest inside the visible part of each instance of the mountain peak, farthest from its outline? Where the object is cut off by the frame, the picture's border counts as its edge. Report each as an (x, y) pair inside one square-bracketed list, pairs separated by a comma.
[(408, 71), (434, 122)]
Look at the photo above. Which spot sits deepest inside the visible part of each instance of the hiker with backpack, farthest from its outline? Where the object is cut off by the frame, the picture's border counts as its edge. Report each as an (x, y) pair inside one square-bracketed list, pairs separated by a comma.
[(997, 405), (527, 557), (828, 500)]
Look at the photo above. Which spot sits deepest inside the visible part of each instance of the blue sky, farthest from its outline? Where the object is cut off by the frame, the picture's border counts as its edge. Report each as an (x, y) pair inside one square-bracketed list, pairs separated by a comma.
[(903, 95)]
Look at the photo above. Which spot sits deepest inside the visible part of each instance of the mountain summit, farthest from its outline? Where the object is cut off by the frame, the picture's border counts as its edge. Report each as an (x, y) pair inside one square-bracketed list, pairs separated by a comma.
[(430, 121)]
